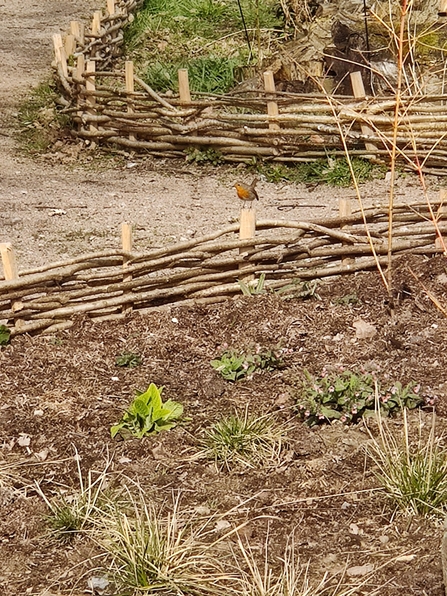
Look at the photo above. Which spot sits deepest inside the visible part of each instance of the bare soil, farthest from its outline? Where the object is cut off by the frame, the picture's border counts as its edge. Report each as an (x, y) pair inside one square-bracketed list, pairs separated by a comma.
[(64, 391)]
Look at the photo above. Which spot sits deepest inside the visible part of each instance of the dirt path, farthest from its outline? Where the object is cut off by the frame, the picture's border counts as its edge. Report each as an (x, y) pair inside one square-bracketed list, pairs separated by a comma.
[(167, 201)]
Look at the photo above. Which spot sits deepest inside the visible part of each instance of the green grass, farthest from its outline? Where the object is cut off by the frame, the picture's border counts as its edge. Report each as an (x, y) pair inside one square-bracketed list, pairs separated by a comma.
[(39, 122), (331, 171), (205, 36), (246, 439), (412, 473)]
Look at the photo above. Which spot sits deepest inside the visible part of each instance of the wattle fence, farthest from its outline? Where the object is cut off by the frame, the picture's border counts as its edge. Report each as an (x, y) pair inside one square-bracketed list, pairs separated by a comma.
[(109, 104), (108, 285)]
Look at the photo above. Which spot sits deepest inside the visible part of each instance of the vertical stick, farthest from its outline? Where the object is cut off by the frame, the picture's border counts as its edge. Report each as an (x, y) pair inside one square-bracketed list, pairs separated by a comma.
[(442, 8), (10, 271), (247, 229), (272, 106), (111, 7), (59, 53), (183, 86), (126, 236), (9, 261), (442, 212), (78, 30), (96, 22), (70, 44), (80, 66), (130, 89), (91, 86), (345, 210), (358, 90)]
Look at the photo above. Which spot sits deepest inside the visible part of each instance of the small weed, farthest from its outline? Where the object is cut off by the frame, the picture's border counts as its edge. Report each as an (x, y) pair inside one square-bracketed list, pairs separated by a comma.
[(254, 287), (196, 155), (147, 415), (5, 335), (129, 360), (348, 299), (248, 440), (347, 396), (71, 513), (299, 289), (234, 365), (414, 476)]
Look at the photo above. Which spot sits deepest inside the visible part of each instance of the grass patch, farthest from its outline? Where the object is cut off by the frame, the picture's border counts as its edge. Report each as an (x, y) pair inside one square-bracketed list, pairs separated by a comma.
[(331, 171), (206, 36), (156, 553), (412, 473), (39, 122), (246, 439)]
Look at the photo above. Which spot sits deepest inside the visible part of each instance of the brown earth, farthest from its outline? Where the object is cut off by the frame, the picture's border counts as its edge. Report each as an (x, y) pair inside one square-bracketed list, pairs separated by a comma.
[(63, 392)]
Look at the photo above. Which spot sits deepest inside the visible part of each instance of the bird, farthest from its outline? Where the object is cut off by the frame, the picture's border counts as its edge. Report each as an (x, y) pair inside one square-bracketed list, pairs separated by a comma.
[(247, 192)]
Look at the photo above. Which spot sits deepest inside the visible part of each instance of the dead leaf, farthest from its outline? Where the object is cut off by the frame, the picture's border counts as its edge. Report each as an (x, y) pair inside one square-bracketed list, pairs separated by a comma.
[(360, 570)]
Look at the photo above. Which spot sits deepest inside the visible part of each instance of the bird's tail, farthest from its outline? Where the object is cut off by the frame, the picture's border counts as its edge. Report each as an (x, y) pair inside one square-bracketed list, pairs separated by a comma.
[(253, 184)]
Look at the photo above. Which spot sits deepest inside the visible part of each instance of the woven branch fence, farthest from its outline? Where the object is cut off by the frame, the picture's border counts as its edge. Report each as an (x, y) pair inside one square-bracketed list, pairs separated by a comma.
[(116, 107), (107, 285)]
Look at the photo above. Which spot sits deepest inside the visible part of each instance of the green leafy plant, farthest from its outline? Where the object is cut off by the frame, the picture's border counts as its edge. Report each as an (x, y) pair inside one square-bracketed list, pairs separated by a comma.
[(249, 440), (253, 288), (128, 359), (332, 171), (347, 396), (299, 289), (234, 365), (5, 335), (148, 415), (196, 155), (412, 473)]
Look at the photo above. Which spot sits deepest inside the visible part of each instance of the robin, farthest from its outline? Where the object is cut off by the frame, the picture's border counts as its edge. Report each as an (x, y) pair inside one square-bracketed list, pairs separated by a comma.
[(247, 193)]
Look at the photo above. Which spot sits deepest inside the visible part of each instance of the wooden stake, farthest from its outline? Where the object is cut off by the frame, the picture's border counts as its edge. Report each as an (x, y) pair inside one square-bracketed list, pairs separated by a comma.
[(59, 53), (358, 90), (126, 236), (70, 44), (183, 86), (130, 89), (442, 8), (111, 7), (272, 106), (96, 22), (247, 229), (80, 66), (440, 242), (9, 261), (345, 210), (91, 86)]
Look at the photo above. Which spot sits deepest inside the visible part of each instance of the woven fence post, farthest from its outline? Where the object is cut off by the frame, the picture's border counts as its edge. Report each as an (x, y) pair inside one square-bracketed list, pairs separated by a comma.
[(272, 106), (345, 210), (247, 229), (126, 237), (129, 72), (59, 53), (111, 7), (183, 86), (358, 90), (10, 271), (90, 86)]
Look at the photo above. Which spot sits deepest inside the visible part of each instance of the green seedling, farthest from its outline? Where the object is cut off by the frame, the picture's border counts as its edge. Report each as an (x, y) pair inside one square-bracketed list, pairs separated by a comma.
[(253, 288), (148, 415), (5, 335), (128, 359), (234, 365)]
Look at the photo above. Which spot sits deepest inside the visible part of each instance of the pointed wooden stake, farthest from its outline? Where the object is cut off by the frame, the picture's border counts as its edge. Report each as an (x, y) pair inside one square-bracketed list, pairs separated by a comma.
[(247, 229), (183, 86), (358, 90), (272, 106), (126, 236)]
